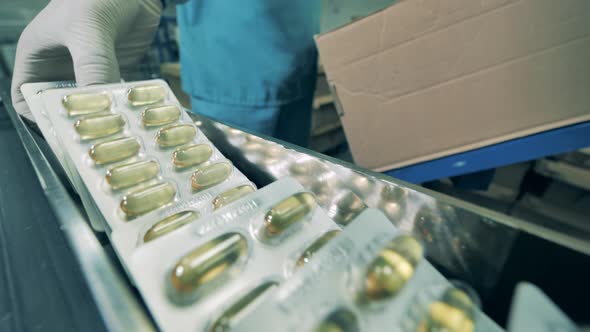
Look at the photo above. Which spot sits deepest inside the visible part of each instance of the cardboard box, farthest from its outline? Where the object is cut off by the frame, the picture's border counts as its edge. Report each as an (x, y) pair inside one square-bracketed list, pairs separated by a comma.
[(424, 79)]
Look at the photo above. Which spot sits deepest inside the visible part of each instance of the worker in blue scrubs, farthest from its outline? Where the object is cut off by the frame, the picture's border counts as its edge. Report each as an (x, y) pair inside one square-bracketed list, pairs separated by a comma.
[(250, 63)]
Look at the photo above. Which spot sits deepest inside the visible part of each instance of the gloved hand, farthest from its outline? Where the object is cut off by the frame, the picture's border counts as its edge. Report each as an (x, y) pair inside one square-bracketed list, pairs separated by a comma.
[(92, 41)]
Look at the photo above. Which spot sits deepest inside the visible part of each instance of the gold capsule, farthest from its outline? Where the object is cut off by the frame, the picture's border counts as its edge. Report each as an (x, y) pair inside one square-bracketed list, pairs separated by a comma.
[(231, 195), (86, 103), (169, 224), (393, 193), (230, 316), (210, 175), (454, 312), (310, 166), (175, 135), (91, 127), (208, 262), (361, 184), (146, 95), (340, 320), (114, 150), (131, 174), (345, 208), (148, 199), (160, 115), (393, 267), (191, 155), (288, 212), (316, 246)]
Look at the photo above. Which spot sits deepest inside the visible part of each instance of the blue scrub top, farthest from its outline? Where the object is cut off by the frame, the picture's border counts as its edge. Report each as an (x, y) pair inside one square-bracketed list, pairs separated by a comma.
[(248, 53)]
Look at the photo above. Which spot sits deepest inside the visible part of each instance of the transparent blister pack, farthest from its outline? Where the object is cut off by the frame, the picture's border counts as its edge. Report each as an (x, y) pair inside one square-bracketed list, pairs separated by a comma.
[(129, 236), (201, 278), (371, 277), (133, 147), (32, 94)]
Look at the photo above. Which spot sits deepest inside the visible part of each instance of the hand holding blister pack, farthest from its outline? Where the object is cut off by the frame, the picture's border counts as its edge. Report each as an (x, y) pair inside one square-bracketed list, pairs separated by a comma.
[(134, 149), (216, 269), (371, 277)]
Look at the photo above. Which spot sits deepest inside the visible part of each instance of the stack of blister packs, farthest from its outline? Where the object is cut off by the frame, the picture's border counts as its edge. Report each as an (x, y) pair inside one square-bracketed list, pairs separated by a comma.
[(209, 252)]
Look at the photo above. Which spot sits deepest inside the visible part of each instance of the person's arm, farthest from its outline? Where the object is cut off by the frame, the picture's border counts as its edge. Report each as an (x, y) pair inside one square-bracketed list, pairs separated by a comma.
[(90, 41)]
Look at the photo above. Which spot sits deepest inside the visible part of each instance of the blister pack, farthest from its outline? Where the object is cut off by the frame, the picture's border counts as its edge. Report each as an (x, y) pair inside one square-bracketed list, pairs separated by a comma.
[(216, 269), (134, 149), (128, 237), (32, 93), (369, 278)]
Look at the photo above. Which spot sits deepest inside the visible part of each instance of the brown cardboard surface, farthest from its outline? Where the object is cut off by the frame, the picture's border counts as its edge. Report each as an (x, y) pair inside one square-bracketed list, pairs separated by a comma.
[(423, 79)]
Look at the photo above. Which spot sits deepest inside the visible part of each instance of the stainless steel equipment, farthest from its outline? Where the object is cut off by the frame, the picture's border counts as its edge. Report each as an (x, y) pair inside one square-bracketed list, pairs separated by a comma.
[(464, 241)]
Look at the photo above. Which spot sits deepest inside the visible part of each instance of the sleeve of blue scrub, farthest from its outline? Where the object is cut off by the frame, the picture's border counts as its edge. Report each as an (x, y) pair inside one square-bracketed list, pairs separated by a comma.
[(251, 63)]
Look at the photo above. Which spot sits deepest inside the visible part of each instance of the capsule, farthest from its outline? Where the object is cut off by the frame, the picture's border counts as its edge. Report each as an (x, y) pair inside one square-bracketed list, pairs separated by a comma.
[(208, 262), (308, 167), (230, 316), (340, 320), (288, 212), (393, 193), (454, 312), (392, 268), (131, 174), (345, 208), (175, 135), (146, 95), (114, 150), (253, 138), (393, 210), (191, 155), (316, 246), (210, 175), (86, 103), (361, 184), (147, 199), (170, 223), (251, 147), (160, 115), (91, 127), (274, 151), (231, 195)]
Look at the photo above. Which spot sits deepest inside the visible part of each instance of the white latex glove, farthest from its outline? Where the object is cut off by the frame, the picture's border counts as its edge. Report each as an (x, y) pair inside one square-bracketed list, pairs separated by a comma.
[(89, 40)]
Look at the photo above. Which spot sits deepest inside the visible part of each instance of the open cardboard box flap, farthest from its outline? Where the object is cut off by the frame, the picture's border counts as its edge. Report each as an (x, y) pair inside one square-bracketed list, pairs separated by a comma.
[(423, 79)]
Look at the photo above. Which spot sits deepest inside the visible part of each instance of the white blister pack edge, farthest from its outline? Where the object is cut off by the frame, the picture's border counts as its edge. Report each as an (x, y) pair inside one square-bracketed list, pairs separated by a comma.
[(32, 94), (331, 280), (152, 264), (93, 175)]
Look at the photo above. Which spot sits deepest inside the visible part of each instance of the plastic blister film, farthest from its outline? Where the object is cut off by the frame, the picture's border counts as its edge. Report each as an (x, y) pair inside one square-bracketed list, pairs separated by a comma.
[(371, 277), (129, 236), (216, 268), (134, 148), (32, 95)]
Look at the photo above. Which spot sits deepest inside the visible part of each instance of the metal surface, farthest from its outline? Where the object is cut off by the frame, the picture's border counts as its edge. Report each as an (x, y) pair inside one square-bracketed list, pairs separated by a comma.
[(465, 241), (41, 285), (119, 309)]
